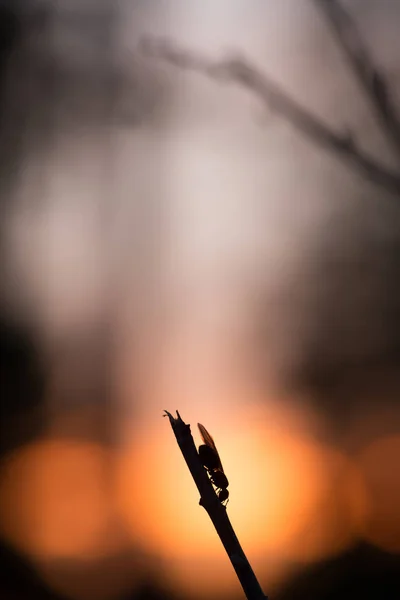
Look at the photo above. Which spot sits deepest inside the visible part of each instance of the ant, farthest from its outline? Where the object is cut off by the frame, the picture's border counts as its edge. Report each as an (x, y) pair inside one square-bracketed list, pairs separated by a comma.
[(210, 459)]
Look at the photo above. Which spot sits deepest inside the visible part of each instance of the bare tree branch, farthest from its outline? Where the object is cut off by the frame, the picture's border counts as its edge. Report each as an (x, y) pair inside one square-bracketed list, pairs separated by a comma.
[(371, 80), (243, 73)]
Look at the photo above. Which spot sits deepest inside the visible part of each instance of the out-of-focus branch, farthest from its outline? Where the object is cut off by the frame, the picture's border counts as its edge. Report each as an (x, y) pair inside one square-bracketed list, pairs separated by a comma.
[(243, 73), (370, 78)]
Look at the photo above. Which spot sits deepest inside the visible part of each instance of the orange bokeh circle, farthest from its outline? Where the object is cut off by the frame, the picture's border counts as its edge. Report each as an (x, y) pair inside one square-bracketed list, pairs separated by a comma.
[(291, 498), (53, 499)]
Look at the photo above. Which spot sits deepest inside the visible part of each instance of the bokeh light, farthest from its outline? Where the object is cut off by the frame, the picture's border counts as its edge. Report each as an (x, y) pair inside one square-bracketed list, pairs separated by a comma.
[(291, 499), (55, 501)]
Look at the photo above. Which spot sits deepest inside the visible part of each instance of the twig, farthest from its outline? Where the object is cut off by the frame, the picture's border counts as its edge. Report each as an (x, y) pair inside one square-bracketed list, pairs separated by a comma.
[(241, 72), (216, 511), (370, 78)]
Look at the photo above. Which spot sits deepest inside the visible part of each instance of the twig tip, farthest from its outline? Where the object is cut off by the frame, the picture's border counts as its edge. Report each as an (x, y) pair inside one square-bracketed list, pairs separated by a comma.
[(168, 414)]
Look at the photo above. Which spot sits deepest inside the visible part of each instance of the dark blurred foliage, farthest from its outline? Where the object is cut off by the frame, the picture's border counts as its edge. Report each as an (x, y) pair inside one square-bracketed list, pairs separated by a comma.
[(9, 29), (21, 374), (351, 348), (22, 385), (21, 87), (40, 93), (363, 572), (20, 381), (18, 579), (346, 302), (353, 327), (10, 35)]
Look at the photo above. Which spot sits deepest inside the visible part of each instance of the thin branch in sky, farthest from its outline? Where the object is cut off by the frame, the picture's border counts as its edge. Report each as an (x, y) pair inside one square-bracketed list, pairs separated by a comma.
[(369, 76), (242, 72)]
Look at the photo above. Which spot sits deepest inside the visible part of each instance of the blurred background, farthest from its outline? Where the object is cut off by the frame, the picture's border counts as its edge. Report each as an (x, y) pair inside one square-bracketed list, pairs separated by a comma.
[(169, 243)]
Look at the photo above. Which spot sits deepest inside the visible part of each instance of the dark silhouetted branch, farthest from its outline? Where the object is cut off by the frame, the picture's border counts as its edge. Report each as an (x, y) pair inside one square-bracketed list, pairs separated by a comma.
[(243, 73), (216, 511), (370, 78)]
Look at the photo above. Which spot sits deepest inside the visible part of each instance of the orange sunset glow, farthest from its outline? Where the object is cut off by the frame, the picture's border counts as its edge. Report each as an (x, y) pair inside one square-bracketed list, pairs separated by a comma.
[(291, 499)]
